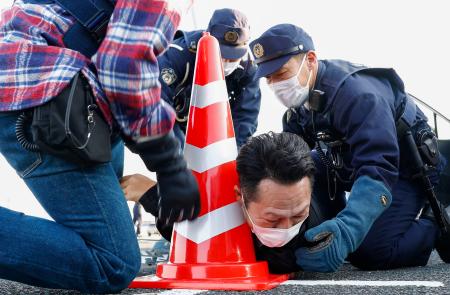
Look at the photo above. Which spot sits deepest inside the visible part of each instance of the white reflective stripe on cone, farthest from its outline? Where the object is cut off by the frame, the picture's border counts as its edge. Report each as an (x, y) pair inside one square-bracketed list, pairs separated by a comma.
[(213, 155), (212, 224), (211, 93)]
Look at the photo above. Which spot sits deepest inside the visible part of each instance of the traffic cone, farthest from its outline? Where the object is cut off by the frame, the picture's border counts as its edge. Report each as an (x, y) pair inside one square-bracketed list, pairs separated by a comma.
[(214, 251)]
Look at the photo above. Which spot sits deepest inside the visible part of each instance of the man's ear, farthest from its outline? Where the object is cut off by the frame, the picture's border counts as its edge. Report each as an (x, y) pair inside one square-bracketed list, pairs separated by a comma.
[(237, 192), (311, 58)]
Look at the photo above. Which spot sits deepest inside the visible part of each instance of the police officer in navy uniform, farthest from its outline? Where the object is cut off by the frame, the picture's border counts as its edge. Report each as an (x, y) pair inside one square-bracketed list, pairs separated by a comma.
[(352, 116), (232, 30)]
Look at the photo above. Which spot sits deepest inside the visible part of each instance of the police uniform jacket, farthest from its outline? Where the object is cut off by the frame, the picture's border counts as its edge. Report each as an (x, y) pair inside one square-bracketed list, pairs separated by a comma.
[(357, 117)]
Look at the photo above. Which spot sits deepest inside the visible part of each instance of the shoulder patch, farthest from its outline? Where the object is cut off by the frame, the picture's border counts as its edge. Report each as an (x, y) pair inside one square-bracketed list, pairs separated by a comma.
[(193, 47), (168, 76)]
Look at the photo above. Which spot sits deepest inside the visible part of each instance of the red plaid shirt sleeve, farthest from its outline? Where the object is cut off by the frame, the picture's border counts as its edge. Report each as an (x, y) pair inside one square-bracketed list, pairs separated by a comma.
[(128, 69), (126, 87)]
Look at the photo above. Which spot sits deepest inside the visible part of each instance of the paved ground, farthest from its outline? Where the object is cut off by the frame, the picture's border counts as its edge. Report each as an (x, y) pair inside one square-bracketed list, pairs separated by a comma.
[(432, 279)]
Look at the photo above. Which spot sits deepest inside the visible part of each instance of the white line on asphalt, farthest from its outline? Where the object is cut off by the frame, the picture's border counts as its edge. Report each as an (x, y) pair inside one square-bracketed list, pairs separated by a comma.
[(365, 283), (176, 292)]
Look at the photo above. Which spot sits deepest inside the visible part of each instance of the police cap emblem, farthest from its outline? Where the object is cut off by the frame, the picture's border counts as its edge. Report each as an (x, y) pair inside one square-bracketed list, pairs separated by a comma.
[(231, 36), (258, 50), (168, 76)]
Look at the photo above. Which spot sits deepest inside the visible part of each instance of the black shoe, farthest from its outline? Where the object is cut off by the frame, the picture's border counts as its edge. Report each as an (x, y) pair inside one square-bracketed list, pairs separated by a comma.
[(442, 244)]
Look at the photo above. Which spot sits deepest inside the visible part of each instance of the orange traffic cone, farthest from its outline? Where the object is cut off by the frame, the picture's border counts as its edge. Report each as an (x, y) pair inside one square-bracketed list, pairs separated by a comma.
[(215, 251)]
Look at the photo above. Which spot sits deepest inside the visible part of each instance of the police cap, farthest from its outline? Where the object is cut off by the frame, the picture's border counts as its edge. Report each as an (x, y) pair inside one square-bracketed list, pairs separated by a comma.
[(277, 45), (231, 28)]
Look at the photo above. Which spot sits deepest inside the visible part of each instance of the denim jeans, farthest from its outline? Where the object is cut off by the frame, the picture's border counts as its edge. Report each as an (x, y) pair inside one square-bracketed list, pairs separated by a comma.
[(91, 245)]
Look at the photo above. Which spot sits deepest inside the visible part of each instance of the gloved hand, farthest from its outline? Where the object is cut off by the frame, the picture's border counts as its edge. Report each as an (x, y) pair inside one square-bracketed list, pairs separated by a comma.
[(179, 197), (149, 201), (336, 238)]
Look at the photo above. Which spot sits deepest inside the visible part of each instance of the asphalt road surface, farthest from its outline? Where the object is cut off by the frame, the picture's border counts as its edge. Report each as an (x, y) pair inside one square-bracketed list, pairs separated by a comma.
[(432, 279)]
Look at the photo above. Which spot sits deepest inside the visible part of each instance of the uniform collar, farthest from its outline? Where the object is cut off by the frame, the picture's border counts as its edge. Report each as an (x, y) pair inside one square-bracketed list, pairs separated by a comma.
[(321, 70)]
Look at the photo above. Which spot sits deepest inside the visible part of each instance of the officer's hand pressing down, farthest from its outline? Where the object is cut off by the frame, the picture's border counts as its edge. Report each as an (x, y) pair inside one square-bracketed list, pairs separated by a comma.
[(336, 238), (179, 198)]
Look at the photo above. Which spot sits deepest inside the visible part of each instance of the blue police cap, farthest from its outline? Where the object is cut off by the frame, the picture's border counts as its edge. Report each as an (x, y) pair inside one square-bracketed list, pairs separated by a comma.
[(277, 45), (231, 28)]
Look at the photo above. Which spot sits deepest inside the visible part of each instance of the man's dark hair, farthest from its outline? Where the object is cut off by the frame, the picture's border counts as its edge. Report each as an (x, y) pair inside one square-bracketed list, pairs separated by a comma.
[(282, 157)]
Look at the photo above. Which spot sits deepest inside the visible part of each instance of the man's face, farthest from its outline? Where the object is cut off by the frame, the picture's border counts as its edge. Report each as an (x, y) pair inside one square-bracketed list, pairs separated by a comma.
[(229, 65), (229, 60), (292, 67), (280, 205)]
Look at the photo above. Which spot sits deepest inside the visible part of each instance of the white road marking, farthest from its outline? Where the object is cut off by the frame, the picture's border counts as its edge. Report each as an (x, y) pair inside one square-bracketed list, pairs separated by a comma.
[(364, 283), (431, 284), (176, 292)]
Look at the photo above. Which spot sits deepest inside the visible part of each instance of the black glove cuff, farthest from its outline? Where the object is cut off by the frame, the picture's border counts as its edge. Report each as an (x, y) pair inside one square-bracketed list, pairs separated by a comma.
[(162, 155), (149, 201), (156, 145)]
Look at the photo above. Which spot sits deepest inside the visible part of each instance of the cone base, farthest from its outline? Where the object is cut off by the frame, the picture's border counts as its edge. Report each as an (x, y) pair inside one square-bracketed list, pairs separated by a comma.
[(243, 284)]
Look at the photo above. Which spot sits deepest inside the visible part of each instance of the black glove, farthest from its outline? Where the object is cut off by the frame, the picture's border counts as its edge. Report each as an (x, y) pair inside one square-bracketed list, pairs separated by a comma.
[(149, 201), (179, 197)]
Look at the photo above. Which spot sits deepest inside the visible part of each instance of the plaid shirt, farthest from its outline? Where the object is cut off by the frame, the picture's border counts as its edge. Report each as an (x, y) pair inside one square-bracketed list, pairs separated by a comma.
[(126, 86)]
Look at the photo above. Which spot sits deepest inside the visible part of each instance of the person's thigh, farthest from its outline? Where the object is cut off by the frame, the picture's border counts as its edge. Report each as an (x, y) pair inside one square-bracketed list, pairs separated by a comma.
[(398, 238), (91, 246)]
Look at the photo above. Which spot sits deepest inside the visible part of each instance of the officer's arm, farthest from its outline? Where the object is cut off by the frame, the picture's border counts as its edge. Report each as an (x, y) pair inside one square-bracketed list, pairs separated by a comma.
[(245, 109), (367, 122), (366, 119)]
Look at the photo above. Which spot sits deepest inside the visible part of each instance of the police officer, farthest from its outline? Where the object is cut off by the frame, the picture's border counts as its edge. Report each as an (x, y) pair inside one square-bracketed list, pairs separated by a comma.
[(232, 30), (353, 116)]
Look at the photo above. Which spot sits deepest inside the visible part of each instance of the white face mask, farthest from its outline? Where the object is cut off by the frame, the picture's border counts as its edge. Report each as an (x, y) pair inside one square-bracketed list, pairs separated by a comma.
[(229, 67), (290, 92), (274, 237)]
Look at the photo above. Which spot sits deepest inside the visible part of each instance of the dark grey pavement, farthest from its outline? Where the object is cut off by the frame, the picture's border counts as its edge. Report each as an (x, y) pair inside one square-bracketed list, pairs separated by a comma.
[(436, 275)]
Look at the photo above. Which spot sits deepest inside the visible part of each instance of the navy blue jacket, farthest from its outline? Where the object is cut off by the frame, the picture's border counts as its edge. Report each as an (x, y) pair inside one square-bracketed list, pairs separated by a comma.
[(176, 76), (361, 107)]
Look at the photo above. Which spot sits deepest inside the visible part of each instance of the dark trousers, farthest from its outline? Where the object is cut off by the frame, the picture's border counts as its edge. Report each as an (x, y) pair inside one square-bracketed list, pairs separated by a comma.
[(397, 238)]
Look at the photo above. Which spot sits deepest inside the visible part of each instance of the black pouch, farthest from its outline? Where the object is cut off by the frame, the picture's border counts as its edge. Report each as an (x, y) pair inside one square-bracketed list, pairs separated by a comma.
[(71, 126)]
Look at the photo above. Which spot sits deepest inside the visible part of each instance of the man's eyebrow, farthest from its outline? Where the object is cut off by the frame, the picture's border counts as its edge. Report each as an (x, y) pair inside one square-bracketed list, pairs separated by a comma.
[(283, 212)]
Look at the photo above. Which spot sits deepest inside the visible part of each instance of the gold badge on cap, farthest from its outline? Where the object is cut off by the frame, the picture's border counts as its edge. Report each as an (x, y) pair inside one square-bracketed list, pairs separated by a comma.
[(231, 36), (258, 50)]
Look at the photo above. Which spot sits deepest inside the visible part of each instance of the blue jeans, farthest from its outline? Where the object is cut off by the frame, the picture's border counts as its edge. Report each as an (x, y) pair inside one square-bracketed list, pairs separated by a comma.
[(91, 246)]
